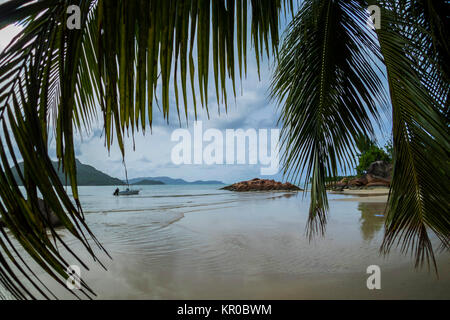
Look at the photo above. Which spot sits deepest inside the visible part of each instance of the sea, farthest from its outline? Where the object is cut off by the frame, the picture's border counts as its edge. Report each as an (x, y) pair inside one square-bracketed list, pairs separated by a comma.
[(201, 242)]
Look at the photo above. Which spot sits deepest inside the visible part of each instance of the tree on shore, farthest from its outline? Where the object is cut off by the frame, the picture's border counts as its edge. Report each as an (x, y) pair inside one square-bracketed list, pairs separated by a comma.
[(370, 152)]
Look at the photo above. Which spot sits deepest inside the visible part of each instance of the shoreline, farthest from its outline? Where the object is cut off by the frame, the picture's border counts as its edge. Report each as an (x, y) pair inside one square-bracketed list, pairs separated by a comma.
[(241, 246), (371, 199), (379, 195)]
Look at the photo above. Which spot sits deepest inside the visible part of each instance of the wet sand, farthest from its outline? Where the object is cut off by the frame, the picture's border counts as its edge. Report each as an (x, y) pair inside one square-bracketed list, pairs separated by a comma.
[(249, 246), (367, 199), (363, 192), (378, 195)]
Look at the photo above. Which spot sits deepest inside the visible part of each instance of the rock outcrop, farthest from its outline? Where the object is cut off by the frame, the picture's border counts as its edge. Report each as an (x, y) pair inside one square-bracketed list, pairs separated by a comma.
[(380, 169), (358, 182), (261, 185), (373, 180), (378, 175)]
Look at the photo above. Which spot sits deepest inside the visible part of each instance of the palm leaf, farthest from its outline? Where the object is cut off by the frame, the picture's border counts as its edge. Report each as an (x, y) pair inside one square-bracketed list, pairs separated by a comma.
[(418, 201), (53, 78), (328, 85)]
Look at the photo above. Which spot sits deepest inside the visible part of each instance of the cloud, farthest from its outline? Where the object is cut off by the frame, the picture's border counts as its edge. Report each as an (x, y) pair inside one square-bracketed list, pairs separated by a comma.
[(152, 154), (251, 108), (7, 34)]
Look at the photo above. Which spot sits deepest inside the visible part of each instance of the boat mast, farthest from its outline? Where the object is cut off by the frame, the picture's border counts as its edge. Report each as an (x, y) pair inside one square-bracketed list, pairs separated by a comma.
[(126, 174)]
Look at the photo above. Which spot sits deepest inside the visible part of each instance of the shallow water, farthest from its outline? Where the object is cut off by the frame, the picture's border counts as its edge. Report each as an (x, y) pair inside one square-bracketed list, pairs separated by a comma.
[(198, 242)]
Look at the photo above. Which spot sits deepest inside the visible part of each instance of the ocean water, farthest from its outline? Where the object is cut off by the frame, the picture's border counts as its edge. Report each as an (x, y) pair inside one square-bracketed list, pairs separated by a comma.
[(200, 242)]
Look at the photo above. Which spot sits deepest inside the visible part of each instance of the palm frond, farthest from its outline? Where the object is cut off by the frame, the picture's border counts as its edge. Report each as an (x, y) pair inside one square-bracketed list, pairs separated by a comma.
[(425, 24), (53, 78), (328, 85), (29, 69), (418, 200)]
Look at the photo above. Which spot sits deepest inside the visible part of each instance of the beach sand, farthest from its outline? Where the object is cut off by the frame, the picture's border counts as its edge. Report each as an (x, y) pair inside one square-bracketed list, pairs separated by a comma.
[(369, 199), (367, 195), (210, 244), (363, 192)]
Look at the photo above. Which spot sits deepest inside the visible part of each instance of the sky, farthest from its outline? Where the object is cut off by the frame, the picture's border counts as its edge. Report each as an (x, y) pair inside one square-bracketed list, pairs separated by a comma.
[(252, 108)]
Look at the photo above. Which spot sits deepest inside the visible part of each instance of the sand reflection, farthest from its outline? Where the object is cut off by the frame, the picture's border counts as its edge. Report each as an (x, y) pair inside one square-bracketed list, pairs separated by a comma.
[(372, 218)]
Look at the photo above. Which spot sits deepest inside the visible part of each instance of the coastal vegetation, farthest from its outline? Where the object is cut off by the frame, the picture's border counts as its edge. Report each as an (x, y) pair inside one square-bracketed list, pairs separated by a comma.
[(86, 175), (329, 83), (370, 152)]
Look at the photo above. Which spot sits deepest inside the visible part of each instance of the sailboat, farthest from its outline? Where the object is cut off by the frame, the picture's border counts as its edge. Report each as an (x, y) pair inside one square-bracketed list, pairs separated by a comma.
[(127, 191)]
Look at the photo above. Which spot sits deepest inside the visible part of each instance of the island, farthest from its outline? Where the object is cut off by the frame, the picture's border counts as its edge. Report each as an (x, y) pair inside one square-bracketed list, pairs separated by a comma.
[(176, 181), (147, 182)]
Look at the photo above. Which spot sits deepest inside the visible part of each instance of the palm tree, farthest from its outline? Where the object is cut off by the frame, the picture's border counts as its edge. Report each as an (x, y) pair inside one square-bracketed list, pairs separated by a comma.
[(329, 83), (52, 78)]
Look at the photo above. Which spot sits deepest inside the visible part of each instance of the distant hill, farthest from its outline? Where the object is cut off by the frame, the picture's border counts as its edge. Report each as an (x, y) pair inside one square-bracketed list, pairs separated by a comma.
[(147, 182), (89, 176), (167, 180), (86, 176)]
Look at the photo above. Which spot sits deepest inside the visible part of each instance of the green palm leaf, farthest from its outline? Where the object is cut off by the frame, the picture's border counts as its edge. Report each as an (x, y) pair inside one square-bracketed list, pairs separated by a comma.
[(328, 85), (418, 201), (53, 78)]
